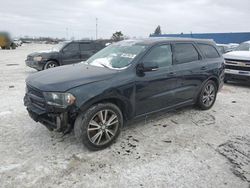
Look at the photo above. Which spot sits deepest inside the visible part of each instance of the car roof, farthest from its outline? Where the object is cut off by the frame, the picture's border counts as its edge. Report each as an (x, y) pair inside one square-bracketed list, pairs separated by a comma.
[(155, 40)]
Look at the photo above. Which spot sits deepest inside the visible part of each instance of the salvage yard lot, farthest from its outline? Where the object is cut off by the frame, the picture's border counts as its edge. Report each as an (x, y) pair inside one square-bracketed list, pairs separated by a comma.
[(183, 148)]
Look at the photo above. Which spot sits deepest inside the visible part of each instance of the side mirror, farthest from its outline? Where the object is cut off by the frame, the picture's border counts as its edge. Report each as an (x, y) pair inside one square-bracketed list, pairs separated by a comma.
[(141, 69)]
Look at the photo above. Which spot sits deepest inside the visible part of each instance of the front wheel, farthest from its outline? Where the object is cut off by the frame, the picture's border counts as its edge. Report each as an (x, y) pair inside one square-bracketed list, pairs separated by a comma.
[(207, 95), (99, 126), (50, 64)]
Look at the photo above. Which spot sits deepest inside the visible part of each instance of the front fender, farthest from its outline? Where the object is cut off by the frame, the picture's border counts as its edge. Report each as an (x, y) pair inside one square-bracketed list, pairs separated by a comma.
[(90, 94)]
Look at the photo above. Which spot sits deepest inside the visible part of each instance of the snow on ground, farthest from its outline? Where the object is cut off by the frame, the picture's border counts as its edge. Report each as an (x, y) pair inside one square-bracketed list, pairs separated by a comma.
[(183, 148)]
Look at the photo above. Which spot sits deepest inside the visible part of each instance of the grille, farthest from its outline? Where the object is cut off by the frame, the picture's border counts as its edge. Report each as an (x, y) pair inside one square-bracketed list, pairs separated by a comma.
[(36, 97), (34, 91), (237, 68), (233, 60)]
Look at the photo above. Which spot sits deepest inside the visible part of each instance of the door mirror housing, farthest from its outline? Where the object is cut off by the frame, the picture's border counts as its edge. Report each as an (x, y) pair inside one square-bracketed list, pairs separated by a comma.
[(141, 69)]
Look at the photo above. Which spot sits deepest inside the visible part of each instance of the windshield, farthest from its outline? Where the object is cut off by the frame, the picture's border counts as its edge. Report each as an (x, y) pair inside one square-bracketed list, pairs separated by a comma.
[(243, 47), (116, 56), (58, 46)]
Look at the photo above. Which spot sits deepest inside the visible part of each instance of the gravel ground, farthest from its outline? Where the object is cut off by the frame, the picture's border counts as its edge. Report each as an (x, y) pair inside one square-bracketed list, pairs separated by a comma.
[(183, 148)]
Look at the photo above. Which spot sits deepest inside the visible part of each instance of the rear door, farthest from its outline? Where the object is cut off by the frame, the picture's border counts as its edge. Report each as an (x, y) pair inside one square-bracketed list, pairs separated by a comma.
[(87, 49), (190, 70), (70, 53)]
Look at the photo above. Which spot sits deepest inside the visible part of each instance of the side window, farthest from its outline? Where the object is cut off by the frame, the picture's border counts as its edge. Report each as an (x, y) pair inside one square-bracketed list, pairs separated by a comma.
[(99, 46), (72, 47), (209, 51), (185, 53), (160, 56), (87, 46)]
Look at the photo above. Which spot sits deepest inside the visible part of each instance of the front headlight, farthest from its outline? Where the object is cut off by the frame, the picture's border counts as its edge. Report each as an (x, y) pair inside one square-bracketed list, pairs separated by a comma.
[(37, 58), (59, 99)]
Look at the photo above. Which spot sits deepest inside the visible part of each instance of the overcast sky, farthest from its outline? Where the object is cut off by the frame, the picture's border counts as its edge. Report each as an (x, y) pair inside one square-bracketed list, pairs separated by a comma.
[(135, 18)]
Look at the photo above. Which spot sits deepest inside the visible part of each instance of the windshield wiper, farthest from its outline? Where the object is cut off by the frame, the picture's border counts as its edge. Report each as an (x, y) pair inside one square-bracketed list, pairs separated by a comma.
[(105, 66)]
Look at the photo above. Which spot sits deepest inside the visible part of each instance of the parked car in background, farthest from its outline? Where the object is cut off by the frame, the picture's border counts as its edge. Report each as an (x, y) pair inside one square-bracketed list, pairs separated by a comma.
[(6, 41), (233, 46), (64, 53), (18, 42), (237, 63), (224, 48), (126, 80)]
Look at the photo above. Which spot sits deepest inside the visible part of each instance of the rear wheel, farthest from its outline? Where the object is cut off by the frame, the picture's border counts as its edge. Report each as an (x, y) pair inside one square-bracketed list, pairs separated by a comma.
[(99, 126), (207, 95), (50, 64)]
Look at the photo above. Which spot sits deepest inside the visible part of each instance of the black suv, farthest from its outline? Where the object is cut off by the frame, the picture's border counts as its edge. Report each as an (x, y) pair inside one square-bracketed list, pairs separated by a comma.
[(63, 54), (125, 80)]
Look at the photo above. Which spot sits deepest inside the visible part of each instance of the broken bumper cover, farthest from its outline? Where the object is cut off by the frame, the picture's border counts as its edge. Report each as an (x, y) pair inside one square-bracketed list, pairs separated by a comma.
[(53, 118)]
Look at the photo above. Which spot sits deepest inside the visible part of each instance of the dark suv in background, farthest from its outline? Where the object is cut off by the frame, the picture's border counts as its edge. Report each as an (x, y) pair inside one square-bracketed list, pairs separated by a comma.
[(63, 54), (125, 80)]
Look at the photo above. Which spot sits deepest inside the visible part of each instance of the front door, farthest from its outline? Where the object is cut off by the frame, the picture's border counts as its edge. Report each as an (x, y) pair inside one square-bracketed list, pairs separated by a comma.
[(87, 49), (70, 54), (155, 89)]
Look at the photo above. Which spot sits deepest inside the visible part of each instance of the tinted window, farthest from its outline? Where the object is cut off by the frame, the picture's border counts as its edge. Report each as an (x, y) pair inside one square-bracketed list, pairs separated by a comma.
[(243, 47), (86, 46), (185, 53), (159, 55), (209, 51), (72, 47)]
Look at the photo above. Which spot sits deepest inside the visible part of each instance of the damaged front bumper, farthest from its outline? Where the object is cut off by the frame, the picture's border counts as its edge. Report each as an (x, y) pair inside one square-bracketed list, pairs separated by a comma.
[(54, 118)]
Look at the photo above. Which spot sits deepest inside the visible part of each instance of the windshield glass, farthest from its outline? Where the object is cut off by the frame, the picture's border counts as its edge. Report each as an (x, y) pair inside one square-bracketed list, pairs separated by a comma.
[(243, 47), (58, 46), (117, 56)]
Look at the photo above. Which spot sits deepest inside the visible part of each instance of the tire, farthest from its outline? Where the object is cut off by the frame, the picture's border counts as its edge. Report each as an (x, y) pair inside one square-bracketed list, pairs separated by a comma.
[(207, 96), (50, 64), (13, 46), (88, 125)]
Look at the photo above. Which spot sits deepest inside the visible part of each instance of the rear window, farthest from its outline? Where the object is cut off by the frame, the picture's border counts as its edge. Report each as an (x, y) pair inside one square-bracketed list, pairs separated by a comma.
[(185, 52), (209, 51)]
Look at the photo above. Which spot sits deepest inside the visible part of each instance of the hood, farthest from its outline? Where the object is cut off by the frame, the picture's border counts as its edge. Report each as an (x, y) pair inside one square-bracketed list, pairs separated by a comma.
[(61, 79), (238, 55), (45, 52)]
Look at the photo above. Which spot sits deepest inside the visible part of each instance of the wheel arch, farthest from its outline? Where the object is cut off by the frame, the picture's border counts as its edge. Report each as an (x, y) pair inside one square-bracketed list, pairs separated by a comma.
[(55, 60), (122, 104), (213, 78)]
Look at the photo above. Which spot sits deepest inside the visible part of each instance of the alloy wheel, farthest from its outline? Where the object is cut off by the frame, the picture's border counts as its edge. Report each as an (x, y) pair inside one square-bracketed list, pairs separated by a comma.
[(102, 127), (209, 95), (51, 65)]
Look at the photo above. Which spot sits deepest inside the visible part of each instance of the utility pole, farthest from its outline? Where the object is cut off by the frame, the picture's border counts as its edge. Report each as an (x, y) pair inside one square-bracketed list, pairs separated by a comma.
[(67, 33), (96, 24)]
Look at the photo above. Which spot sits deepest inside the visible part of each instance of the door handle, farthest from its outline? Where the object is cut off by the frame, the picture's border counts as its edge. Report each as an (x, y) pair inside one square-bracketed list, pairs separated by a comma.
[(203, 68), (171, 74)]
